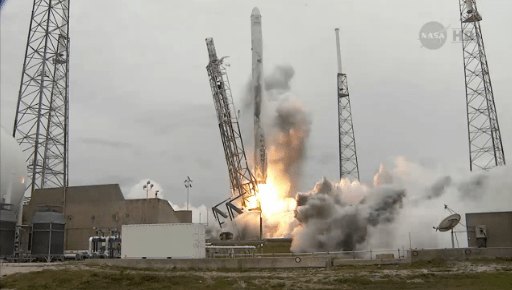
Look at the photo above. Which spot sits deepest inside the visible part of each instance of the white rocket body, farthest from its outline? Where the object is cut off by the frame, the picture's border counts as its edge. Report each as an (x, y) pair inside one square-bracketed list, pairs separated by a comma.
[(260, 156)]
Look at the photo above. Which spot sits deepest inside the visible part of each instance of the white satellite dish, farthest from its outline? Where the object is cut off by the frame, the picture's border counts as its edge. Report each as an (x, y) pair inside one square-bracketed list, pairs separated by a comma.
[(449, 223)]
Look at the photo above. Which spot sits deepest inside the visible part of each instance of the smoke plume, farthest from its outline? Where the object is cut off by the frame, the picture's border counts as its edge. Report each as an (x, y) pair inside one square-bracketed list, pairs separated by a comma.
[(279, 80), (289, 128), (287, 125), (329, 223), (408, 200)]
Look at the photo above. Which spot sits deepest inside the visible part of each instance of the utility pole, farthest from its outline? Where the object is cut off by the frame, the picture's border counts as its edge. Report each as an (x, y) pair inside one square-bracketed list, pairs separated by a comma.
[(347, 142), (485, 146)]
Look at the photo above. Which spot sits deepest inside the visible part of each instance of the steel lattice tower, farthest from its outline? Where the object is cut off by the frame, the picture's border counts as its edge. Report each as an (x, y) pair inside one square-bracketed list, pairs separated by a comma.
[(41, 123), (485, 146), (347, 141), (242, 181)]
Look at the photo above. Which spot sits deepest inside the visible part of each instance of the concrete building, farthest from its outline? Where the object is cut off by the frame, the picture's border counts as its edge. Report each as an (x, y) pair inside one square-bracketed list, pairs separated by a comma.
[(489, 229), (99, 207)]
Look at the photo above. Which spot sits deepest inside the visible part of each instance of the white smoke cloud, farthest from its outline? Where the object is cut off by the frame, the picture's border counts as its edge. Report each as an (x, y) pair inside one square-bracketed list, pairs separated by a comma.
[(408, 200), (329, 223)]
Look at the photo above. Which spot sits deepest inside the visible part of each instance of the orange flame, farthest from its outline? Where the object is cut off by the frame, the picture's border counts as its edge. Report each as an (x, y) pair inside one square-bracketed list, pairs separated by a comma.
[(277, 209)]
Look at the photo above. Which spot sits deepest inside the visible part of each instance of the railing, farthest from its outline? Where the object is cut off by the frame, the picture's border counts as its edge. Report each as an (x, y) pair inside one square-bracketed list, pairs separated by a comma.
[(354, 255)]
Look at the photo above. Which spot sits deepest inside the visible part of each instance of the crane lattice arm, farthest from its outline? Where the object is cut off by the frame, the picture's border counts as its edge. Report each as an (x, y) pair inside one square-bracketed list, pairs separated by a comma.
[(243, 183)]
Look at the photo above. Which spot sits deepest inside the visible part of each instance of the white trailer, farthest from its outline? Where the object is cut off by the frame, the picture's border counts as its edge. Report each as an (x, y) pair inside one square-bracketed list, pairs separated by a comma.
[(163, 241)]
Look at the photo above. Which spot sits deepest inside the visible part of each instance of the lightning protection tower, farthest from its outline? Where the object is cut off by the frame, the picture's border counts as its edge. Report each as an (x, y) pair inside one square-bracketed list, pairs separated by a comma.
[(41, 123), (485, 147), (242, 181), (348, 155)]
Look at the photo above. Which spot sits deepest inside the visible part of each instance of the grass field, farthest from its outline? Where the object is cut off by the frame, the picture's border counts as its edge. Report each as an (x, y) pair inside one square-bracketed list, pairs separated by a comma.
[(496, 274)]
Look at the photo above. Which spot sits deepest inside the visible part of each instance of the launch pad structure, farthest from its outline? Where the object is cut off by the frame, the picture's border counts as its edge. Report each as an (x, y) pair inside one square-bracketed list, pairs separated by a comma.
[(242, 181), (244, 184)]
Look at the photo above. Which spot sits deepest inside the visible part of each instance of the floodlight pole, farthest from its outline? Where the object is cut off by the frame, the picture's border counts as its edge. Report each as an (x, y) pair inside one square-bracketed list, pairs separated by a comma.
[(188, 185), (453, 243), (147, 186)]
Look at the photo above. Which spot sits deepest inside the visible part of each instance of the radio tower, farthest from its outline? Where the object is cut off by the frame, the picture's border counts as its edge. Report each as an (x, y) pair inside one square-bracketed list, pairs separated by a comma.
[(348, 155), (41, 123), (242, 181), (485, 146)]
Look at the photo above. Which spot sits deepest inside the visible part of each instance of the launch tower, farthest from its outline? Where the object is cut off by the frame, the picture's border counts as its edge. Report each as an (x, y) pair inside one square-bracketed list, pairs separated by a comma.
[(41, 123), (485, 146), (347, 141)]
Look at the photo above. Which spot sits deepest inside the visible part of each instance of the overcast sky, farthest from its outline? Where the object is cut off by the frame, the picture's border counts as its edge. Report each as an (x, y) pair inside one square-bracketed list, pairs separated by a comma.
[(141, 105)]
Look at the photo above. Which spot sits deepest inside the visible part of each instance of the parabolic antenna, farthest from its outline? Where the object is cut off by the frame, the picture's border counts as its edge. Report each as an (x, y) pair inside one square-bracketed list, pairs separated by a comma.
[(449, 223)]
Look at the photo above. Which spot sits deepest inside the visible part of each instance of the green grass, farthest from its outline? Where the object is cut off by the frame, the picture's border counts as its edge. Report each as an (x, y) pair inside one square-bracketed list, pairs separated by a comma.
[(88, 279), (429, 281), (371, 277)]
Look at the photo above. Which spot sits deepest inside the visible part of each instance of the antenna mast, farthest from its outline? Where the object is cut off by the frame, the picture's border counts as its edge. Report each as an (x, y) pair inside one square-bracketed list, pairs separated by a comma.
[(485, 146), (41, 123), (347, 142)]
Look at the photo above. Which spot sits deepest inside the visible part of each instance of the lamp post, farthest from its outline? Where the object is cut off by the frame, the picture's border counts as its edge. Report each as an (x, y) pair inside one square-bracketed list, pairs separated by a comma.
[(188, 185), (147, 187)]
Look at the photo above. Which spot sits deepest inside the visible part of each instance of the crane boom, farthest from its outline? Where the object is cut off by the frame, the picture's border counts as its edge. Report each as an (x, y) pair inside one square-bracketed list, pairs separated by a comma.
[(243, 183)]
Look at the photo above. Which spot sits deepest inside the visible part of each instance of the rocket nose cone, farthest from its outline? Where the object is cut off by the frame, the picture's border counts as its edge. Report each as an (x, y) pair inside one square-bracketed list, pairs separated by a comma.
[(255, 11)]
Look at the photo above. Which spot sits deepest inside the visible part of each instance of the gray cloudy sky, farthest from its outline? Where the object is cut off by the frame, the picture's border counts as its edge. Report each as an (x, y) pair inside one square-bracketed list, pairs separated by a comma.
[(141, 106)]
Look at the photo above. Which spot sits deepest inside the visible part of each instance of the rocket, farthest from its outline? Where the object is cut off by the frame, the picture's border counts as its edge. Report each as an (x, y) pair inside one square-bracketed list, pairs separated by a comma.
[(260, 155)]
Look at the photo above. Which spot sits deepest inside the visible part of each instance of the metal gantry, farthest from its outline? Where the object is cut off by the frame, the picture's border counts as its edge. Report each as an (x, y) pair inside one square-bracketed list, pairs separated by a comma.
[(242, 181), (347, 141), (41, 124), (485, 146)]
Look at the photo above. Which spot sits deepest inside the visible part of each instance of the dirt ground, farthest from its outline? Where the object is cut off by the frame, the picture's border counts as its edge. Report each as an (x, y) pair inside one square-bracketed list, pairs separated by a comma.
[(482, 274)]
